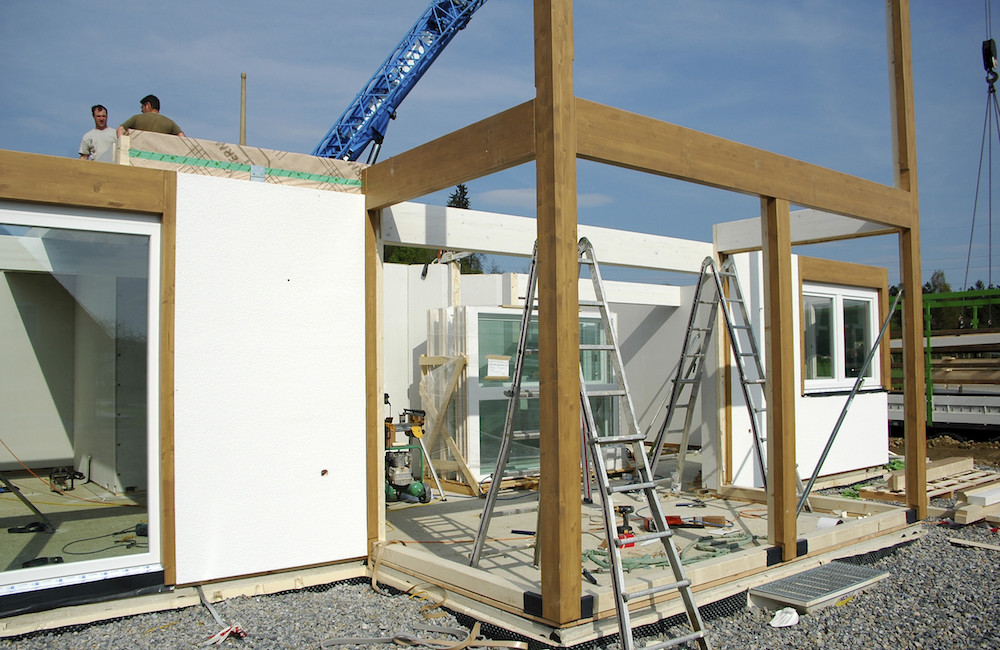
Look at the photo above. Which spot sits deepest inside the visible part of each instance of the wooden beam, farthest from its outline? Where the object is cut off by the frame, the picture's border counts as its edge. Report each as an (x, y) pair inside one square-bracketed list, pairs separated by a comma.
[(809, 226), (439, 227), (905, 164), (558, 313), (616, 137), (779, 345), (499, 142), (375, 441), (83, 183), (904, 138)]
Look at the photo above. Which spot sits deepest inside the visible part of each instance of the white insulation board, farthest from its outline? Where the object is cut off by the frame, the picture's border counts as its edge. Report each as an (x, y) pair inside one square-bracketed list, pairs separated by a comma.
[(269, 405)]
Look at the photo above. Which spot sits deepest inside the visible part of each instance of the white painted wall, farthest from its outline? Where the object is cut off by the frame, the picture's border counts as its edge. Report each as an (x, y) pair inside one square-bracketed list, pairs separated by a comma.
[(863, 439), (269, 431)]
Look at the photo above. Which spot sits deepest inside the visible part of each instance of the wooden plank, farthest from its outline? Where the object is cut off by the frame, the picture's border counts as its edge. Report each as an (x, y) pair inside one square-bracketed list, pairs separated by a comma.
[(83, 183), (984, 496), (558, 317), (935, 469), (971, 544), (499, 142), (779, 345), (969, 513), (616, 137), (809, 226)]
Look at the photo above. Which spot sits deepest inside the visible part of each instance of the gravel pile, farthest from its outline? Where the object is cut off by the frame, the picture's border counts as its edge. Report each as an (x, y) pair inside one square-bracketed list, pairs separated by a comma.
[(937, 596)]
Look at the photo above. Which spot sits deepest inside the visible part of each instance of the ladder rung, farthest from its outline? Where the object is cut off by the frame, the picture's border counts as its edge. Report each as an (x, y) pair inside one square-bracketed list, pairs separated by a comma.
[(597, 346), (631, 487), (685, 380), (612, 440), (518, 473), (615, 392), (654, 590), (702, 329), (676, 641), (759, 382), (586, 260), (591, 303), (525, 435), (727, 274), (639, 539), (737, 300), (526, 393)]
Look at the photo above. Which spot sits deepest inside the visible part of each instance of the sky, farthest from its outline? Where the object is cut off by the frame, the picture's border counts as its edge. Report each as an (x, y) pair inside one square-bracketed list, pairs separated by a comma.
[(803, 78)]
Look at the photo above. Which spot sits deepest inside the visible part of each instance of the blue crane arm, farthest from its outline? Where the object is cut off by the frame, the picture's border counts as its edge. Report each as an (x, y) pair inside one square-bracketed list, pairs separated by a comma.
[(367, 118)]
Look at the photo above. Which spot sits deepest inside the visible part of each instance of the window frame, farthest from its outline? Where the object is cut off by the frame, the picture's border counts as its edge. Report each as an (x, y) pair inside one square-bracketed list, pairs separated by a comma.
[(67, 217), (838, 295), (849, 280)]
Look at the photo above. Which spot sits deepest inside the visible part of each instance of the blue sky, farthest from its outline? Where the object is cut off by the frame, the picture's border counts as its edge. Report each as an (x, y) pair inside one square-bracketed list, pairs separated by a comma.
[(804, 78)]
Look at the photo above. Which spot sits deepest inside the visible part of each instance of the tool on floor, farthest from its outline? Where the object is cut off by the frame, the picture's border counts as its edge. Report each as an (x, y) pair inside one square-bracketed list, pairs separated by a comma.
[(625, 531), (402, 483), (605, 354)]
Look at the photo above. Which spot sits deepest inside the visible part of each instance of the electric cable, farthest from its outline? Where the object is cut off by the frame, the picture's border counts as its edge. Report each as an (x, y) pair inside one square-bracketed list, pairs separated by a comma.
[(62, 492), (129, 542)]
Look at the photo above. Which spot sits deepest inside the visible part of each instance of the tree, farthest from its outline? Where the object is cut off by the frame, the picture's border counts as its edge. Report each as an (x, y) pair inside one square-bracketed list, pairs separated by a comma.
[(411, 255), (460, 197)]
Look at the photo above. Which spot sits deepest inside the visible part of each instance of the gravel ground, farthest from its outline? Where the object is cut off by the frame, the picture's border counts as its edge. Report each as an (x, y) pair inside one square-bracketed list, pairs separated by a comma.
[(937, 596)]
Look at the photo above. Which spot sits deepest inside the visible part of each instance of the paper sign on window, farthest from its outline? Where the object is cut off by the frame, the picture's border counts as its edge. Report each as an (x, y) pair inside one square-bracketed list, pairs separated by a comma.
[(497, 367)]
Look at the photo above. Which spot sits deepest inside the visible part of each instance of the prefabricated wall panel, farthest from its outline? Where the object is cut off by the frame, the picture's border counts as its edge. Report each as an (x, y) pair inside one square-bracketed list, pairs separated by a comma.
[(269, 372), (863, 438)]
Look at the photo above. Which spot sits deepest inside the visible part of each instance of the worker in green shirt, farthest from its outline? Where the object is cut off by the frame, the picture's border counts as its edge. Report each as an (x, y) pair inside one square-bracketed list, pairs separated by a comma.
[(150, 119)]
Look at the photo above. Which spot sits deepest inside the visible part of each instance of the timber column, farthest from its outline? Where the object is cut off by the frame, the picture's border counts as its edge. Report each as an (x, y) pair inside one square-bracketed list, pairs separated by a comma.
[(558, 312), (904, 148), (779, 345)]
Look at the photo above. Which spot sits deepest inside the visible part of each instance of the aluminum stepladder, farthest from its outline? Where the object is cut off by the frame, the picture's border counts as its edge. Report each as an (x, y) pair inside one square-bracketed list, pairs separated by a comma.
[(690, 369), (594, 446)]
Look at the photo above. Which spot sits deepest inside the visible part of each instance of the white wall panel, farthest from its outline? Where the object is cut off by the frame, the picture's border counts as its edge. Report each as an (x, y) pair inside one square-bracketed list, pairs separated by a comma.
[(269, 370)]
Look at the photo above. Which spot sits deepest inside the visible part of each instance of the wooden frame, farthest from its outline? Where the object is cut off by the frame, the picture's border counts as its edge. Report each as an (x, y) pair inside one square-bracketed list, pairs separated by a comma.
[(812, 269), (57, 181), (556, 128)]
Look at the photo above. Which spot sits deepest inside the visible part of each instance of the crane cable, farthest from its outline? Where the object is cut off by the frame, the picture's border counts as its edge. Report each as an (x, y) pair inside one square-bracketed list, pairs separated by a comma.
[(986, 151)]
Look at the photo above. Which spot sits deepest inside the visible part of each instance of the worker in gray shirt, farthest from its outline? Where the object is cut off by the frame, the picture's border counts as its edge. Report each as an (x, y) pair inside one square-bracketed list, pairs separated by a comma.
[(99, 142)]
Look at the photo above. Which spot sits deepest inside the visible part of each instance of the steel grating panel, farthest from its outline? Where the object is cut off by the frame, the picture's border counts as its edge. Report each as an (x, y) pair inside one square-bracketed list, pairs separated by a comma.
[(818, 587)]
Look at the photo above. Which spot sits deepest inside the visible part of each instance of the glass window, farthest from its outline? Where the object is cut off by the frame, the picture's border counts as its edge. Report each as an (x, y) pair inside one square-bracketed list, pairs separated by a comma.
[(498, 335), (837, 334), (77, 410), (818, 337), (857, 336)]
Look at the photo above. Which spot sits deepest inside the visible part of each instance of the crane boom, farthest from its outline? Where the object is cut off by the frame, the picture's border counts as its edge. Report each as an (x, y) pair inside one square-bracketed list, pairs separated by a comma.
[(366, 119)]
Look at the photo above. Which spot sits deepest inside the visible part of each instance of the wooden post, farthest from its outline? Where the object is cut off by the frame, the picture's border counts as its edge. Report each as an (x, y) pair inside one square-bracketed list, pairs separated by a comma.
[(558, 317), (375, 444), (905, 163), (779, 345), (243, 108)]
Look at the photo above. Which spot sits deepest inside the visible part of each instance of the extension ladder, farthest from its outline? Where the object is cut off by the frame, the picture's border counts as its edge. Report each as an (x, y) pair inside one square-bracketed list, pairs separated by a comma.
[(594, 446)]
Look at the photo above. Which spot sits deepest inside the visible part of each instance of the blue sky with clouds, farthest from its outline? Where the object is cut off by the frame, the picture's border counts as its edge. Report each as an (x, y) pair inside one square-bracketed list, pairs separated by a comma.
[(804, 78)]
